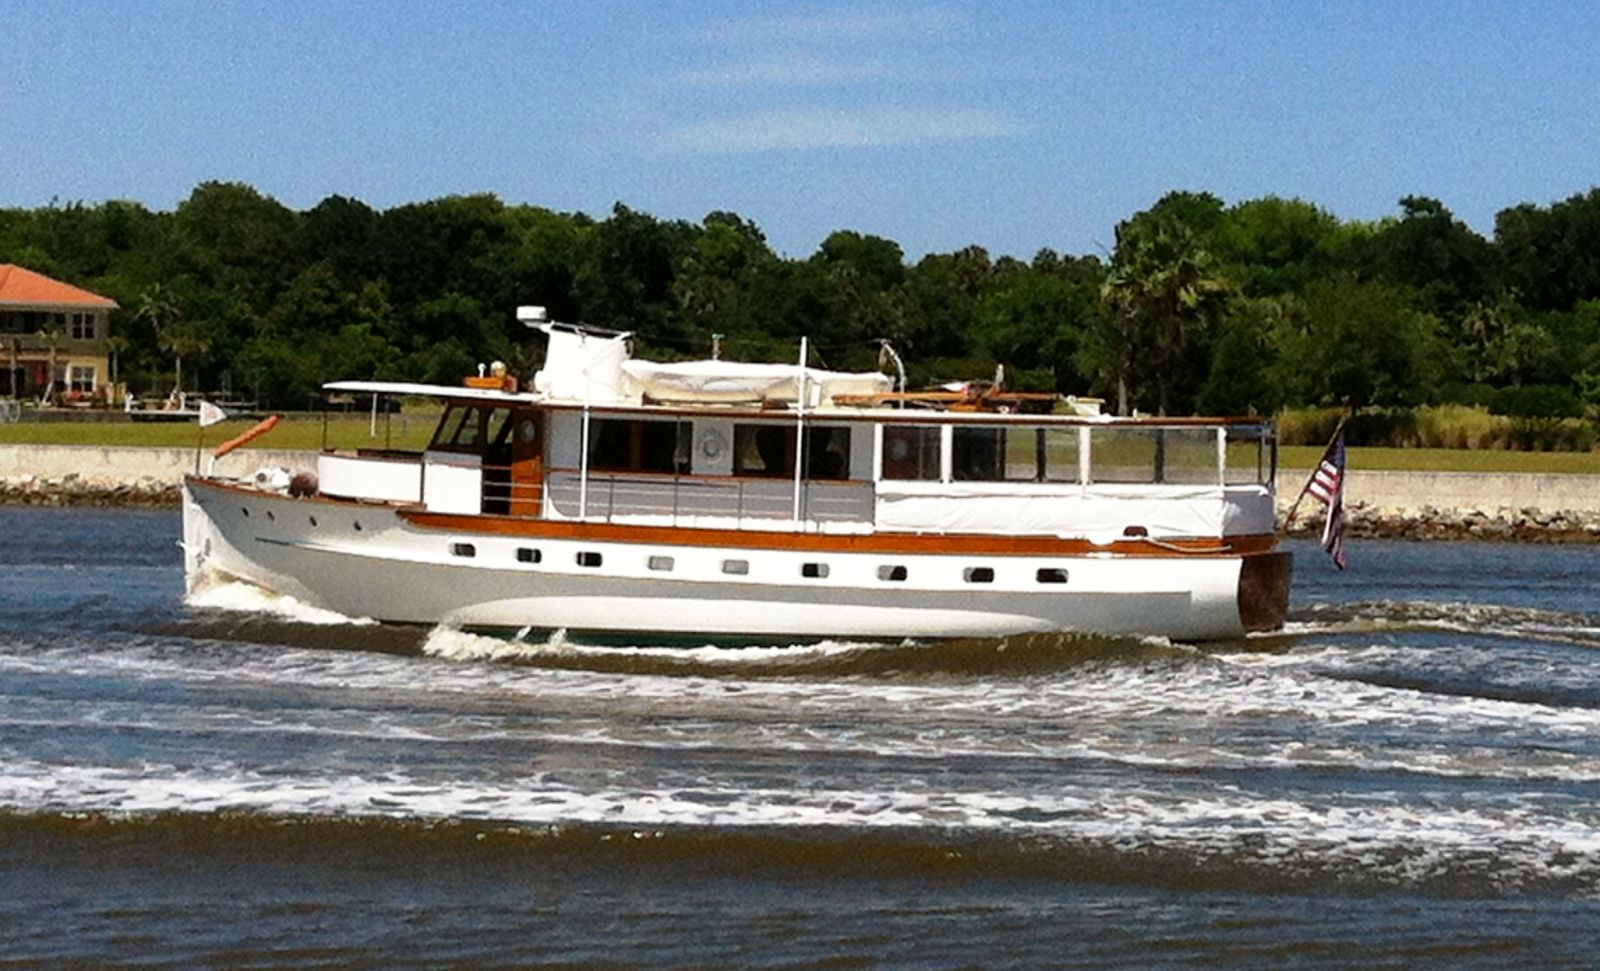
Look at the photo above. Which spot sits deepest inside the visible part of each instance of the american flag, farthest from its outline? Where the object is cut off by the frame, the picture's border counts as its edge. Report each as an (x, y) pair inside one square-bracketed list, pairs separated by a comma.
[(1327, 487)]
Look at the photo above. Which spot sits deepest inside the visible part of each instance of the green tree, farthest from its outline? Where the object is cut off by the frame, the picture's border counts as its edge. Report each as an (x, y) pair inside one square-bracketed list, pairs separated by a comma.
[(1164, 288)]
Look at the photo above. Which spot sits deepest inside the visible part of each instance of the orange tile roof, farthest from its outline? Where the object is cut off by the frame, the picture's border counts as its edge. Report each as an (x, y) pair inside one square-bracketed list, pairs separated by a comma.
[(21, 286)]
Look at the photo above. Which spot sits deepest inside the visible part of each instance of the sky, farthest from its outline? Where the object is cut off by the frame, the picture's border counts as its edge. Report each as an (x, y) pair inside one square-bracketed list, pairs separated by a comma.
[(1012, 126)]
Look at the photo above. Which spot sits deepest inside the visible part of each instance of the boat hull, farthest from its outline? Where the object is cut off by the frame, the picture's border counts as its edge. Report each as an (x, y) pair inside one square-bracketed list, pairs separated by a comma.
[(370, 560)]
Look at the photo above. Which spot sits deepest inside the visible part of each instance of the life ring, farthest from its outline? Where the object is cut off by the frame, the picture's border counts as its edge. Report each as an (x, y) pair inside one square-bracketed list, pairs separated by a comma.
[(712, 444)]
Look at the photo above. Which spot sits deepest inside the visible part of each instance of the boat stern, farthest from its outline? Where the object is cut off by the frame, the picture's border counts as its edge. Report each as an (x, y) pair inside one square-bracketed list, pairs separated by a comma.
[(1264, 580)]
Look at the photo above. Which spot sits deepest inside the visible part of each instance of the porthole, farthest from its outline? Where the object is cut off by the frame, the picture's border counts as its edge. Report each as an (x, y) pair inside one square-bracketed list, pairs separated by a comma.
[(736, 567), (661, 563), (357, 525), (1052, 575), (270, 517), (312, 520), (246, 511), (589, 559), (463, 549), (978, 574), (814, 571), (892, 573), (527, 554)]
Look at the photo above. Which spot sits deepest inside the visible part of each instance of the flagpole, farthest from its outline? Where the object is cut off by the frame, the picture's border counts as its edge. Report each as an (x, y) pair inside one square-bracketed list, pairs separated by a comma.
[(1338, 429)]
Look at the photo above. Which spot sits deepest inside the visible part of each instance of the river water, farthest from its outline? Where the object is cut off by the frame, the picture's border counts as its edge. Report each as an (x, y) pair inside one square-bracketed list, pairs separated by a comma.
[(1408, 776)]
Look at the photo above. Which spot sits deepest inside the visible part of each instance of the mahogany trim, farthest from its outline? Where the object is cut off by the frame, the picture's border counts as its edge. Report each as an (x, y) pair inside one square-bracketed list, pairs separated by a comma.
[(885, 543), (1250, 545)]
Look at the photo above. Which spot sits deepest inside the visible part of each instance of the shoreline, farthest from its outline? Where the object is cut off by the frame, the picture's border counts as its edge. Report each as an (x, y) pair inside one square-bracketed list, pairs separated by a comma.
[(1363, 520)]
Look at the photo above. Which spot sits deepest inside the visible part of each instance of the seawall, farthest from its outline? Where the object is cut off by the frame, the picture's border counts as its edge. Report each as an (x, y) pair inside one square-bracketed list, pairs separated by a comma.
[(1500, 505), (95, 475)]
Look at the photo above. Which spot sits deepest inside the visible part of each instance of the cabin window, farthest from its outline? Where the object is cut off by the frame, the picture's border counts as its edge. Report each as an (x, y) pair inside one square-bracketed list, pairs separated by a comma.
[(1186, 456), (768, 450), (1189, 456), (763, 450), (978, 454), (827, 453), (814, 571), (528, 555), (911, 452), (1123, 455), (628, 445), (463, 549), (588, 559), (1001, 454), (893, 573), (1248, 457), (978, 574), (736, 567), (461, 429), (1051, 574), (662, 564)]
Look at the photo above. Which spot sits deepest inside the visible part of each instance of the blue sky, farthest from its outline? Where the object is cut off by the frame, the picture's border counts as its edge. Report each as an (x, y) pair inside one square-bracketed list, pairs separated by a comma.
[(1013, 126)]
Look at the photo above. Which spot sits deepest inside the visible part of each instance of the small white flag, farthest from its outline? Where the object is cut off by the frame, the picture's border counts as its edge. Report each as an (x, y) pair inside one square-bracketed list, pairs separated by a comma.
[(210, 414)]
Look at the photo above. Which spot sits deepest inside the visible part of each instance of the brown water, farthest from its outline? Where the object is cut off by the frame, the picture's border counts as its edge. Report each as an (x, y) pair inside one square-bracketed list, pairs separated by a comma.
[(1407, 777)]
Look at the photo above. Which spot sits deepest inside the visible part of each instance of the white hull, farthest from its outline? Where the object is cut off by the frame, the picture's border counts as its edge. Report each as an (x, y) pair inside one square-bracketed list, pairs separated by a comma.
[(365, 560)]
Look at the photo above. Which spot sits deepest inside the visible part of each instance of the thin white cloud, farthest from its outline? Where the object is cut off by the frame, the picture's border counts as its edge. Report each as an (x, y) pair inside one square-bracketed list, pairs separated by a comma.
[(913, 23), (813, 128), (791, 71)]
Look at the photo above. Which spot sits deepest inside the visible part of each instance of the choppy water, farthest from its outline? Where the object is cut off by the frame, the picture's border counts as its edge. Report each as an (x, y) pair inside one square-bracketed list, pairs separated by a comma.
[(1409, 776)]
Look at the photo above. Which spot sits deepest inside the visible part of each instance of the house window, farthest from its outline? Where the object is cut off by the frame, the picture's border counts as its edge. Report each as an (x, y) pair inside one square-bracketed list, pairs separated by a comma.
[(81, 379), (83, 327)]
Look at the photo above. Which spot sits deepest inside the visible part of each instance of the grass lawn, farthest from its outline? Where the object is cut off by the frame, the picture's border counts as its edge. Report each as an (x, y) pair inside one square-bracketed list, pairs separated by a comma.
[(1448, 460), (413, 430), (405, 431)]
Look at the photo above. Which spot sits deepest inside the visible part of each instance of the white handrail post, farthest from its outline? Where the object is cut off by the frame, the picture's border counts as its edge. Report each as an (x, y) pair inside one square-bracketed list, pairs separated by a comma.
[(583, 454), (800, 428)]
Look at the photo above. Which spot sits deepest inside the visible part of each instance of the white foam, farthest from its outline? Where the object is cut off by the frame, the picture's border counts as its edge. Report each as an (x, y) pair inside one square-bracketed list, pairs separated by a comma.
[(238, 595), (1379, 838), (453, 644)]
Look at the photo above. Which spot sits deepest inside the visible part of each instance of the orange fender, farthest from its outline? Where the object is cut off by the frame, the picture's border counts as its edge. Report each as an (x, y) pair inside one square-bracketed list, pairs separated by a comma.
[(262, 427)]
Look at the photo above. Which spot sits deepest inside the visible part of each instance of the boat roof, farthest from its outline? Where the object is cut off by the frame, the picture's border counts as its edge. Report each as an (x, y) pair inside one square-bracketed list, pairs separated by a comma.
[(432, 391), (853, 410)]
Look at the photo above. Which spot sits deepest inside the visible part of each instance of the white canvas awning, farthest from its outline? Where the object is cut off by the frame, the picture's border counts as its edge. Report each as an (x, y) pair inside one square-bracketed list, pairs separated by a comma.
[(731, 381)]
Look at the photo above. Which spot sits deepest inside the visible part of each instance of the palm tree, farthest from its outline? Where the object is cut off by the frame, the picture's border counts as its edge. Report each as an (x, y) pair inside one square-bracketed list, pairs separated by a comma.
[(158, 310), (52, 334), (1163, 286), (116, 346), (186, 337)]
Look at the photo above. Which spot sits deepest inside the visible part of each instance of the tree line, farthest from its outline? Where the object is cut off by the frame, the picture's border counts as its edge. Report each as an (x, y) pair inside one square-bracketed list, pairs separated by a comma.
[(1200, 306)]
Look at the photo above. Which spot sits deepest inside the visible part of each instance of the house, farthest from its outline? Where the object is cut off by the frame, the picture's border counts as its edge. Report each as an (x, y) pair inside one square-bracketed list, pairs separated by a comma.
[(45, 323)]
